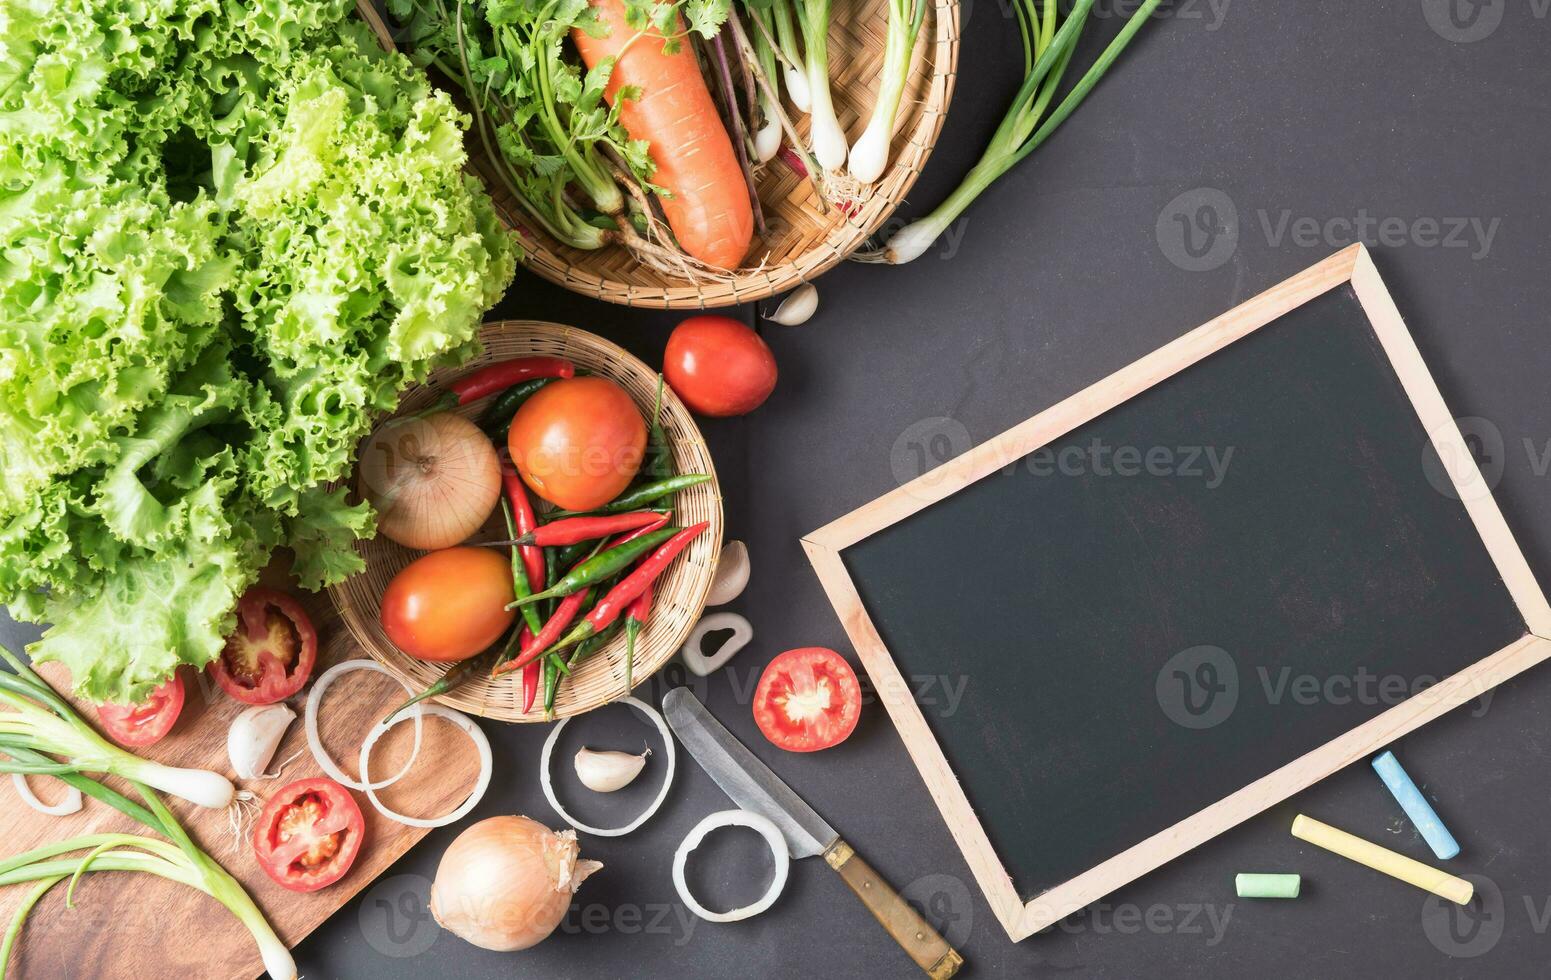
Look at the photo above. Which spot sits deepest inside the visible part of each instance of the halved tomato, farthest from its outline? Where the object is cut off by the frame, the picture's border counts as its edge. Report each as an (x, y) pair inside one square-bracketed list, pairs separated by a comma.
[(807, 699), (137, 725), (309, 834), (271, 654)]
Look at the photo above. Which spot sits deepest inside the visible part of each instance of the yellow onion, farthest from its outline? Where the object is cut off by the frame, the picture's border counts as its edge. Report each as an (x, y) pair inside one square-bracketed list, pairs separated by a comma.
[(506, 882), (433, 481)]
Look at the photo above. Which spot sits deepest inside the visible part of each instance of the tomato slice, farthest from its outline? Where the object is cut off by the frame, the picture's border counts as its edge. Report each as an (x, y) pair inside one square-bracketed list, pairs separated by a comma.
[(271, 654), (138, 725), (807, 699), (309, 834)]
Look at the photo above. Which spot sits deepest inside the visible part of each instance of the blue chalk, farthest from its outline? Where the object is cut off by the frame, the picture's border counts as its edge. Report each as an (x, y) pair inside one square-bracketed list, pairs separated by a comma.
[(1416, 806)]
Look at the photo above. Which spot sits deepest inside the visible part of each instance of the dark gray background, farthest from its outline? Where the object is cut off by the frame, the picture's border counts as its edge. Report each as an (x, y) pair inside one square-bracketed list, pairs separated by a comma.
[(1056, 277)]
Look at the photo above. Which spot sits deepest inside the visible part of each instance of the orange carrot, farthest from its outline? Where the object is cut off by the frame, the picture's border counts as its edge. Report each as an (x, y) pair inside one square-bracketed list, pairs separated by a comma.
[(707, 205)]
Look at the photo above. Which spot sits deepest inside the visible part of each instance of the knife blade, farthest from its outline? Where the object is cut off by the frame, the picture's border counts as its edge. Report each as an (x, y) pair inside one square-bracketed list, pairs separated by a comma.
[(750, 784), (746, 781)]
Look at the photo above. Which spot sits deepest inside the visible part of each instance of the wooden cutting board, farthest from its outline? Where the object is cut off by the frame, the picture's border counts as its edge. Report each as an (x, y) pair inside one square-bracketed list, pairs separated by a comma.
[(138, 925)]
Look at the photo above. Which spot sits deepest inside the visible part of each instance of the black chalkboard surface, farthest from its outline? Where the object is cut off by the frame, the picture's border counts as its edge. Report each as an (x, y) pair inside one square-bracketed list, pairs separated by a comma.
[(1304, 541), (1195, 588)]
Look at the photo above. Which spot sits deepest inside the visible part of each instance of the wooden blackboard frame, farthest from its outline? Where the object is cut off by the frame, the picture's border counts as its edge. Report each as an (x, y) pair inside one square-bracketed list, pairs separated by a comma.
[(1021, 919)]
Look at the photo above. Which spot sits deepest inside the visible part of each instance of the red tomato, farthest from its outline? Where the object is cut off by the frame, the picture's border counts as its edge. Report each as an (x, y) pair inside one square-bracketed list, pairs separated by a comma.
[(807, 699), (309, 834), (271, 654), (578, 442), (450, 604), (137, 725), (719, 366)]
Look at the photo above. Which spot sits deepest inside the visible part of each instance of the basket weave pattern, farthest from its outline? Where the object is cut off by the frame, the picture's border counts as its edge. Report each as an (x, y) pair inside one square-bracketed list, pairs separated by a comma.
[(804, 239), (680, 592)]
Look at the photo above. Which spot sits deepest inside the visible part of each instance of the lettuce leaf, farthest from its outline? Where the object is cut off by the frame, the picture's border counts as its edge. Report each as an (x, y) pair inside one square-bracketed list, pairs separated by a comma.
[(231, 234)]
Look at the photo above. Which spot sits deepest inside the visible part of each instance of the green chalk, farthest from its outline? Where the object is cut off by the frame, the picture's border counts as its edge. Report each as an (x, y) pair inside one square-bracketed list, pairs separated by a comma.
[(1267, 885)]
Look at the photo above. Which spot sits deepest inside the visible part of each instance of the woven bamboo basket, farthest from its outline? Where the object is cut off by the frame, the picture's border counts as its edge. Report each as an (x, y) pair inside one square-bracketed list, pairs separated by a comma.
[(680, 592), (805, 237)]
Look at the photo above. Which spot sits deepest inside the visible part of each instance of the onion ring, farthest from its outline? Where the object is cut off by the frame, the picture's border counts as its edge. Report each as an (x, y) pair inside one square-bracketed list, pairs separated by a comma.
[(667, 780), (486, 766), (734, 818), (72, 802), (310, 722)]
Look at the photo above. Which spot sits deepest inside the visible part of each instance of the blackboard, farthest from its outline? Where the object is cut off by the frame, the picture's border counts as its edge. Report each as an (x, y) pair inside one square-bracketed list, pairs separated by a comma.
[(1243, 562)]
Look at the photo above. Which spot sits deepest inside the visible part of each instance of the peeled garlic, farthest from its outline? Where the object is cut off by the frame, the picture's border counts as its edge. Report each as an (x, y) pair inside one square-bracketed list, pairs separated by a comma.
[(255, 735), (605, 772), (732, 574), (798, 306)]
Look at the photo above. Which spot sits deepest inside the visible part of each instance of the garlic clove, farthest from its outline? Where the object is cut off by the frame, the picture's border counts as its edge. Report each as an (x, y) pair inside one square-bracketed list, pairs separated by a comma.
[(694, 656), (732, 574), (798, 306), (255, 735), (605, 772)]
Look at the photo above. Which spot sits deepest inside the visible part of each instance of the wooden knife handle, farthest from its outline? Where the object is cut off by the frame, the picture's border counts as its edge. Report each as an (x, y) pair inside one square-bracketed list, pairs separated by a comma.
[(930, 951)]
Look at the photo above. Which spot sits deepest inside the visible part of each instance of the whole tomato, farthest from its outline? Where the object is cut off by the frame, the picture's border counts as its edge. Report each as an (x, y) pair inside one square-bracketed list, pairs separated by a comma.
[(719, 366), (450, 604), (578, 442)]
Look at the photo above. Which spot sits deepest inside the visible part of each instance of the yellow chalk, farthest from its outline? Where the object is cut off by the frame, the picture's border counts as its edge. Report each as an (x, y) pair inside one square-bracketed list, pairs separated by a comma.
[(1383, 859)]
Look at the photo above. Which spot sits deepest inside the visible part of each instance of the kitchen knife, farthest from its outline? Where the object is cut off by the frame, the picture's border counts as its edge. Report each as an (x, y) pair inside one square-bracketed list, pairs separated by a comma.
[(751, 785)]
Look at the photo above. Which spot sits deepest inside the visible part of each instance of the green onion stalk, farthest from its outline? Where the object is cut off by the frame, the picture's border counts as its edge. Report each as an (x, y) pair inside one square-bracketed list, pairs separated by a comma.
[(42, 723), (1047, 51), (871, 153), (767, 138), (828, 138), (180, 861), (791, 53)]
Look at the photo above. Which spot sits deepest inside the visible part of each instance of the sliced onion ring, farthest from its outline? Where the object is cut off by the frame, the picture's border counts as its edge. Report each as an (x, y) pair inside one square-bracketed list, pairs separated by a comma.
[(662, 794), (734, 818), (310, 721), (72, 802), (486, 766)]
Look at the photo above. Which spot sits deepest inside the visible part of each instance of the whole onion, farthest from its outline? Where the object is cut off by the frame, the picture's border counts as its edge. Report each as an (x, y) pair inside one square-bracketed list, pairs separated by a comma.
[(506, 882), (433, 481)]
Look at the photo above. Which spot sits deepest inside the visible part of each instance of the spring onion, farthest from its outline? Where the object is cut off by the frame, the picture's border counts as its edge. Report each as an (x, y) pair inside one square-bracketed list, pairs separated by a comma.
[(791, 55), (1046, 53), (181, 861), (41, 721), (871, 153), (767, 138), (829, 140)]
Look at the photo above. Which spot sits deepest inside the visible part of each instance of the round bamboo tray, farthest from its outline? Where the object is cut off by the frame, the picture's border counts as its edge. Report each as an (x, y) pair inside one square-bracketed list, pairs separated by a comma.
[(804, 236), (680, 592)]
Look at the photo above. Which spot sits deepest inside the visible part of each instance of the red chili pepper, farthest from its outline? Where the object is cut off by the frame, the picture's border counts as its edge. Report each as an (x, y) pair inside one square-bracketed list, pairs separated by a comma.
[(527, 521), (530, 651), (573, 530), (530, 684), (662, 521), (503, 374), (631, 586)]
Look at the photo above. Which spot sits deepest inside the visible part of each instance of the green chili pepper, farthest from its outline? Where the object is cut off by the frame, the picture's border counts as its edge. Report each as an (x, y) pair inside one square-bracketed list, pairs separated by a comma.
[(604, 565), (659, 464), (640, 497), (551, 681), (520, 585), (551, 567), (591, 645), (461, 672), (498, 417), (570, 554), (445, 402)]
